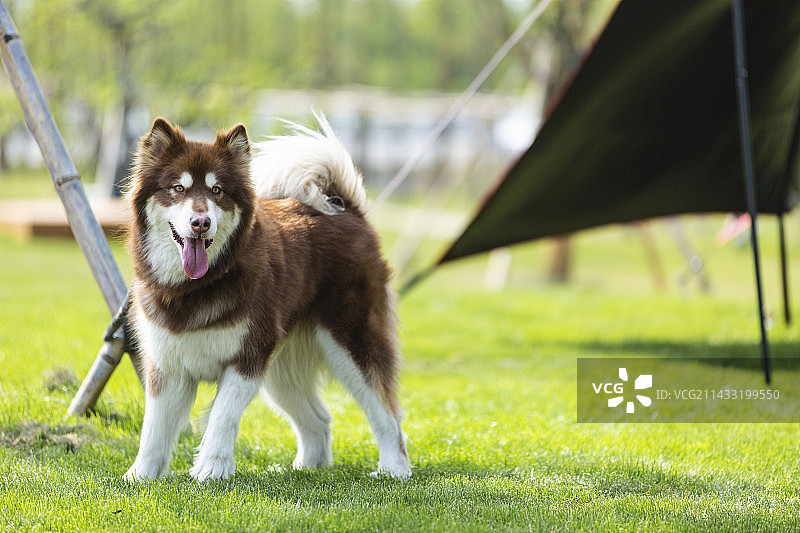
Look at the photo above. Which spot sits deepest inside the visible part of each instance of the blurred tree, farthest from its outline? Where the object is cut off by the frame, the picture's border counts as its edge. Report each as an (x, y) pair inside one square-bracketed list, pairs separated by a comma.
[(10, 118), (270, 53), (204, 61), (454, 43), (126, 24), (10, 115), (375, 29), (325, 46)]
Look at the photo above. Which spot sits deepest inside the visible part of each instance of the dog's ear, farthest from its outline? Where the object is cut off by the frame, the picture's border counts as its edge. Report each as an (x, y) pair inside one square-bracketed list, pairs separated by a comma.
[(161, 137), (236, 141)]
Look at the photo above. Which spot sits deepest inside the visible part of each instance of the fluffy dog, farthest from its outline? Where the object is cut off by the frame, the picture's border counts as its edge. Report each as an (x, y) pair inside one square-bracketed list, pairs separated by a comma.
[(257, 275)]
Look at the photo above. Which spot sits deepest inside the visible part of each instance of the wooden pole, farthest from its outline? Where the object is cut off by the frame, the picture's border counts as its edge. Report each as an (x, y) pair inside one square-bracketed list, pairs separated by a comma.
[(67, 181)]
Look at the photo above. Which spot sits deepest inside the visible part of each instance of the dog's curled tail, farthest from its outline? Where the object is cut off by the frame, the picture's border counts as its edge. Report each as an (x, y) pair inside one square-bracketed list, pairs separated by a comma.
[(311, 166)]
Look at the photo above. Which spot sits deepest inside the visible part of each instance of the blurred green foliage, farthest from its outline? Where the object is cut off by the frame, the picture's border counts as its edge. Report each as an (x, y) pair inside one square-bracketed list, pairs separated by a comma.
[(204, 59)]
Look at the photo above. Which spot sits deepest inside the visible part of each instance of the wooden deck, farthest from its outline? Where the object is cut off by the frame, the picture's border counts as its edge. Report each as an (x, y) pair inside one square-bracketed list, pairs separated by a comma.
[(24, 219)]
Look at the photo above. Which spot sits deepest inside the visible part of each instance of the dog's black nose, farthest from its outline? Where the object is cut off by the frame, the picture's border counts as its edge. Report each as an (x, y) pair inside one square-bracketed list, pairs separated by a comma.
[(200, 223)]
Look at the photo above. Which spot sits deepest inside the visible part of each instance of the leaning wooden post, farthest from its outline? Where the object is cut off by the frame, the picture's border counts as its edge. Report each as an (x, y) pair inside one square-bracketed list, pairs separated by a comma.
[(85, 227)]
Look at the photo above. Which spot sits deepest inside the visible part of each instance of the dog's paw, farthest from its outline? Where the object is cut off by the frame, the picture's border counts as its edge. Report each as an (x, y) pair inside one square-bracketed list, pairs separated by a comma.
[(399, 475), (396, 467), (141, 471), (213, 468), (399, 472), (313, 459)]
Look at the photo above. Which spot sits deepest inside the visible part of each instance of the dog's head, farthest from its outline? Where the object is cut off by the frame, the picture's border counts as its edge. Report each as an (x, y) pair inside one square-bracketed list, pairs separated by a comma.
[(190, 200)]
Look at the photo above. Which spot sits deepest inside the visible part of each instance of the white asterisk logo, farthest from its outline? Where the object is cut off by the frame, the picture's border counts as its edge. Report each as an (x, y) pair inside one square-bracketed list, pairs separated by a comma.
[(644, 381)]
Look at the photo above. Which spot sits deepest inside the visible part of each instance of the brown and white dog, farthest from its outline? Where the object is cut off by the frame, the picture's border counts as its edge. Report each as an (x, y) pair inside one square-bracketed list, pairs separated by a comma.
[(258, 275)]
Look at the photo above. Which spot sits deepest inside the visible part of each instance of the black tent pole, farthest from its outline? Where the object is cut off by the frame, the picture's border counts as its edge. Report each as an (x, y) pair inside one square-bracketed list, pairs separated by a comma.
[(791, 165), (747, 163), (787, 312)]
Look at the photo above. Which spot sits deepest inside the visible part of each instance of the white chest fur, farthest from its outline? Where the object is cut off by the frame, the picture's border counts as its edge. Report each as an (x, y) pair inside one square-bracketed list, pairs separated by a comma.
[(202, 354)]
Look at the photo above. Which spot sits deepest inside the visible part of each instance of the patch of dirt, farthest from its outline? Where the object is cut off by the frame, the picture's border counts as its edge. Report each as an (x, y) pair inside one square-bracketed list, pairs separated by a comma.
[(32, 434), (61, 378)]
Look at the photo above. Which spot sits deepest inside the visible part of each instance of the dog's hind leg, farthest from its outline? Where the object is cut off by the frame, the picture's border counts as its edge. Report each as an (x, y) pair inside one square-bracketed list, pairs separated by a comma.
[(375, 393), (291, 386)]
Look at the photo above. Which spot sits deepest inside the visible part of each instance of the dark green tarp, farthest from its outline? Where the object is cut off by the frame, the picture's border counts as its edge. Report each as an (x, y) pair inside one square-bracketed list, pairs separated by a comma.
[(648, 126)]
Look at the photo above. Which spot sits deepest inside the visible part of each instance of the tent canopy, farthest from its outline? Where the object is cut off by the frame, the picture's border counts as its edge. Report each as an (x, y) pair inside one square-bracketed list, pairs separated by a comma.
[(648, 126)]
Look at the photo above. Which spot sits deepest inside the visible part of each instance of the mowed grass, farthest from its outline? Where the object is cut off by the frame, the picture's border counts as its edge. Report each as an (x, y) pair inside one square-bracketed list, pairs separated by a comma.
[(488, 390)]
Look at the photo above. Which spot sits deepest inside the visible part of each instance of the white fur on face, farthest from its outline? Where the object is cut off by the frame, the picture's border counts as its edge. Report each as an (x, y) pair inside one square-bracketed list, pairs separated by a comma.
[(164, 254), (180, 216), (227, 223), (160, 246), (186, 180)]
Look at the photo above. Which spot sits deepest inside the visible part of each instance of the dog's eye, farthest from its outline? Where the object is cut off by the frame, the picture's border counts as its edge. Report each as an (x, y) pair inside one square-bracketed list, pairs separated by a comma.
[(216, 189), (178, 188)]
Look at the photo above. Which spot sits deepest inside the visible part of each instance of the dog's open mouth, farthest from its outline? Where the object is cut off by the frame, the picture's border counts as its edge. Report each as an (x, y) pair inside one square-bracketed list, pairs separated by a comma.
[(193, 252)]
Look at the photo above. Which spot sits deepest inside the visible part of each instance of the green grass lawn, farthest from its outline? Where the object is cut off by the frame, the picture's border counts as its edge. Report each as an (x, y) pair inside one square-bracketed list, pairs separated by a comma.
[(489, 394)]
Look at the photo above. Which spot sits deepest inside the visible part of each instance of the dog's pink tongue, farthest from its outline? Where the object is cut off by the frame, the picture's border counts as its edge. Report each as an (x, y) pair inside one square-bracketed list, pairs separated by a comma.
[(195, 258)]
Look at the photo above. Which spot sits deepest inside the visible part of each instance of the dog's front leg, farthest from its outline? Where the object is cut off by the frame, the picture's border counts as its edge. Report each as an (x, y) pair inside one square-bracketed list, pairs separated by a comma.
[(214, 457), (168, 401)]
